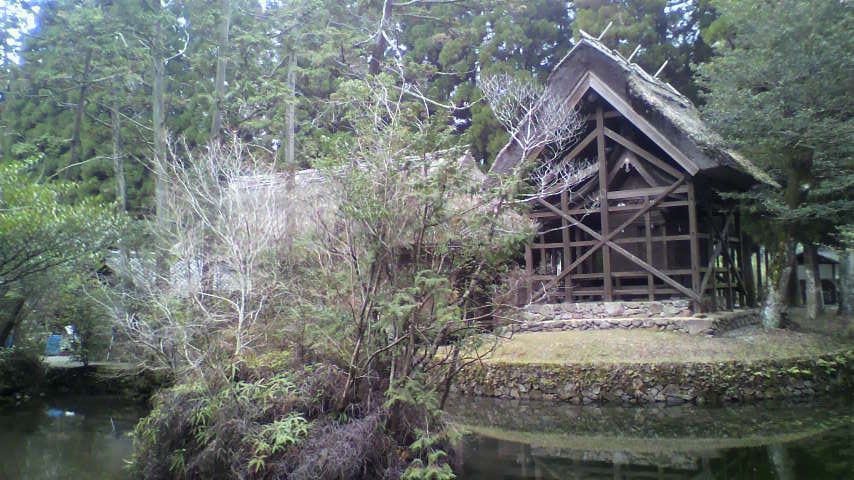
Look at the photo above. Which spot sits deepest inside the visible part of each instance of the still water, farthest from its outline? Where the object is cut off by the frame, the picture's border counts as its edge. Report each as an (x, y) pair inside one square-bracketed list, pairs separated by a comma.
[(528, 440), (69, 438), (86, 438)]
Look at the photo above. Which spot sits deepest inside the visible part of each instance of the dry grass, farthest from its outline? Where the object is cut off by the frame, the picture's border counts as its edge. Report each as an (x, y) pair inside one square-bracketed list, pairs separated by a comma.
[(647, 346)]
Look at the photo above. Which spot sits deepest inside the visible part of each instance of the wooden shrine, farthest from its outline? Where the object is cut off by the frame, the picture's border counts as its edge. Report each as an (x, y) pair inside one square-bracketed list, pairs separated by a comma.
[(651, 223)]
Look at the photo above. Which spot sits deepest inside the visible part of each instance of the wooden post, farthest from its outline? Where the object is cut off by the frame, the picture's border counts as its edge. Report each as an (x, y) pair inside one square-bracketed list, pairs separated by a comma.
[(567, 250), (730, 301), (713, 262), (744, 291), (695, 245), (758, 274), (542, 250), (603, 202), (650, 281), (529, 273), (766, 265)]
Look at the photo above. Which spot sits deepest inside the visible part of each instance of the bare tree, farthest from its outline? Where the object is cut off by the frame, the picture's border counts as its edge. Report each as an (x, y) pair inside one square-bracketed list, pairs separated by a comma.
[(540, 123), (223, 231), (542, 127)]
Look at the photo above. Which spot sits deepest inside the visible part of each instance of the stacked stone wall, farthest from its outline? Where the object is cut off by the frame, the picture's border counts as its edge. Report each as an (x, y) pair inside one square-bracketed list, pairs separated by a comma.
[(718, 382), (665, 315)]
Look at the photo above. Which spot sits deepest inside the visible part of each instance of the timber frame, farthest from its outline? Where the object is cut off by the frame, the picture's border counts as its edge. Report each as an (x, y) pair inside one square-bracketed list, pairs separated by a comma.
[(651, 225)]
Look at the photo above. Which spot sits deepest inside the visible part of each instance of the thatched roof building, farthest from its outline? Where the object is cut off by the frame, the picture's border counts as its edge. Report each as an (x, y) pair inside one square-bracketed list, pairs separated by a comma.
[(656, 227)]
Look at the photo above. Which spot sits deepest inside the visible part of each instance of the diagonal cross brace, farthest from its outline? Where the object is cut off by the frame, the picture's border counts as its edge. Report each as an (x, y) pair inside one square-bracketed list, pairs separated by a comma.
[(602, 241)]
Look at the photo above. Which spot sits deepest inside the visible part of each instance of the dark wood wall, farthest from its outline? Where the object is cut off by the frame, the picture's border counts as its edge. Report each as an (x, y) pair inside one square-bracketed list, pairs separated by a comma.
[(642, 229)]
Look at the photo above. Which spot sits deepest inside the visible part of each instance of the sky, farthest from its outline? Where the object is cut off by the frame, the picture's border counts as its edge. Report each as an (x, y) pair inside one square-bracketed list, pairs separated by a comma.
[(9, 10)]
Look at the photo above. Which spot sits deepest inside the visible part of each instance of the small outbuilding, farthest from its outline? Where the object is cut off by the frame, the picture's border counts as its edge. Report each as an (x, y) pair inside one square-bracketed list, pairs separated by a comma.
[(649, 223)]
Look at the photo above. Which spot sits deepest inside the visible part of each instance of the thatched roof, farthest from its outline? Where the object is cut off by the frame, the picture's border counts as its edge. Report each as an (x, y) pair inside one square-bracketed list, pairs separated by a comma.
[(655, 107)]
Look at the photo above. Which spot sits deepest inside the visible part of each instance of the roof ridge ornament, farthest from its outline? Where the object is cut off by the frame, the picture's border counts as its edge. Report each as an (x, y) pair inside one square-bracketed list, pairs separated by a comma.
[(636, 50), (607, 27)]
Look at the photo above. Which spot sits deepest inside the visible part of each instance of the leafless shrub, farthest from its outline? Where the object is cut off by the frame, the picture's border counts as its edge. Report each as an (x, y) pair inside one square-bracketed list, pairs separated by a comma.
[(542, 124), (207, 276)]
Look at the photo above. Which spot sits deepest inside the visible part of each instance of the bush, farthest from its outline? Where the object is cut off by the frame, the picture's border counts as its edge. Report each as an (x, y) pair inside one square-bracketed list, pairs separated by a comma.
[(21, 371), (263, 425)]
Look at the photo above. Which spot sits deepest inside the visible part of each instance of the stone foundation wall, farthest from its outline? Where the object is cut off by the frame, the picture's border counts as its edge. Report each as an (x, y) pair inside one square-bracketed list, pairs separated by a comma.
[(661, 383), (569, 311), (666, 315)]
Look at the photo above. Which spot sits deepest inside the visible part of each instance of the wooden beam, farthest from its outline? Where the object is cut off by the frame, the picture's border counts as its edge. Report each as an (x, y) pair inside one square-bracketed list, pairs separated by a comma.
[(643, 192), (644, 173), (641, 123), (607, 238), (603, 200), (572, 154), (613, 172), (758, 274), (658, 273), (650, 282), (567, 250), (529, 272), (695, 244), (649, 157), (713, 256)]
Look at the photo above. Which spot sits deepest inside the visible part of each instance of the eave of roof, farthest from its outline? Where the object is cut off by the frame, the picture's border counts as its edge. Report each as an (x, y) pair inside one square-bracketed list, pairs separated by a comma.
[(706, 149)]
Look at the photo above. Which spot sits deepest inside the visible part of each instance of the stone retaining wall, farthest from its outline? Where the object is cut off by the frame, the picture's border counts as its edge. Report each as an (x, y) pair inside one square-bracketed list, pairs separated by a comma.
[(552, 317), (661, 383), (568, 311)]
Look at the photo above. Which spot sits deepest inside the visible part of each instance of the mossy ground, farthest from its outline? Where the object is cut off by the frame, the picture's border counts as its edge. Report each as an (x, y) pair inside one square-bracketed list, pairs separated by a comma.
[(655, 347)]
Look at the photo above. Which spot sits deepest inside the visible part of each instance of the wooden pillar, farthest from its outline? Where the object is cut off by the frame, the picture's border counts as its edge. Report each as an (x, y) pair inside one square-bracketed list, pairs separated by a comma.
[(695, 244), (745, 294), (542, 249), (713, 261), (650, 281), (603, 201), (758, 274), (730, 299), (567, 250), (529, 273)]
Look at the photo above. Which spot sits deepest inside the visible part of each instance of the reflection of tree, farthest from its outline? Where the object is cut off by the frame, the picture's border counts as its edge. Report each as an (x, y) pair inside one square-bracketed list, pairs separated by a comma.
[(779, 458), (37, 446), (529, 438)]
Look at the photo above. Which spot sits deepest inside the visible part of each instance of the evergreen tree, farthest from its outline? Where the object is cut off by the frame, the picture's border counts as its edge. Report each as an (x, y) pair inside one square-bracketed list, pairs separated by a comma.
[(779, 90)]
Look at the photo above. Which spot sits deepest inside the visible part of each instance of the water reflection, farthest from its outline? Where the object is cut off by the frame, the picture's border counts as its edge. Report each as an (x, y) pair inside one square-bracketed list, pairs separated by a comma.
[(531, 440), (67, 438)]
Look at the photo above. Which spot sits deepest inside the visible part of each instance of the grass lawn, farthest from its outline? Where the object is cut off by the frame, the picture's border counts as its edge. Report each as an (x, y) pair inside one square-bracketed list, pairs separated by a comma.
[(650, 346)]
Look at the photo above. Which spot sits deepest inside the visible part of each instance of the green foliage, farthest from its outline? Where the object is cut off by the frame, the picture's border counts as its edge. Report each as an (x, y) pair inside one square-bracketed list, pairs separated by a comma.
[(665, 30), (798, 126), (21, 369), (41, 229)]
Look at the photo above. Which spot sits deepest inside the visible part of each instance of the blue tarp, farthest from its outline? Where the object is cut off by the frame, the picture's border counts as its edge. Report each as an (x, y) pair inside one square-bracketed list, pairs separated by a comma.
[(53, 345)]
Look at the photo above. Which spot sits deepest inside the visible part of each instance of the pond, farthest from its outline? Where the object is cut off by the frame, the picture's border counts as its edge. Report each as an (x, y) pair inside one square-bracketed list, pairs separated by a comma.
[(71, 437), (86, 438), (508, 439)]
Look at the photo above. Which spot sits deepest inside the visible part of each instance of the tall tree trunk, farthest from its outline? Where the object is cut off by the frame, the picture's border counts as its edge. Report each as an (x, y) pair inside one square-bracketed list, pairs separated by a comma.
[(380, 44), (846, 282), (815, 299), (14, 319), (157, 119), (794, 296), (118, 161), (78, 114), (290, 137), (778, 278), (221, 62), (798, 162), (119, 174)]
